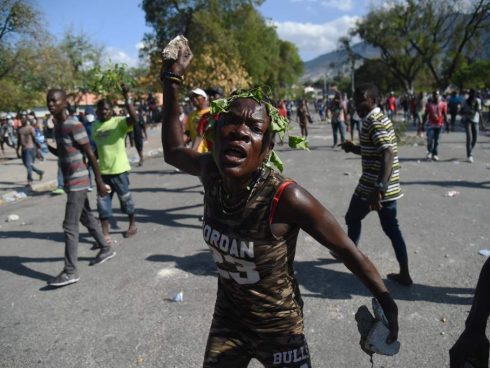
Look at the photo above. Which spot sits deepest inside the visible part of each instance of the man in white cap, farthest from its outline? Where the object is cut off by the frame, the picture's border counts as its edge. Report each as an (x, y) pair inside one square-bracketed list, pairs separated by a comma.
[(199, 99)]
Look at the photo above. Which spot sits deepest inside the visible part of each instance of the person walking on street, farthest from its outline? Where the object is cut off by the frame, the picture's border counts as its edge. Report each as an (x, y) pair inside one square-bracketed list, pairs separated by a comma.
[(435, 115), (72, 143), (109, 133), (27, 141), (379, 185), (338, 110), (252, 216), (471, 116), (303, 116), (453, 107)]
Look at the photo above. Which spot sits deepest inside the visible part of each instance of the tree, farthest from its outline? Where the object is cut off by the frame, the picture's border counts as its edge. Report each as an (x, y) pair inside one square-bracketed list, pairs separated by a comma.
[(83, 55), (475, 75), (386, 30), (19, 25), (374, 71), (232, 43), (417, 34)]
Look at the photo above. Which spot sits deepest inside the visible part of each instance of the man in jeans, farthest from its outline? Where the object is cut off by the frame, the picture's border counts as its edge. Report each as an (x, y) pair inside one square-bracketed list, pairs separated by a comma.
[(109, 133), (436, 116), (379, 185), (26, 140), (72, 143)]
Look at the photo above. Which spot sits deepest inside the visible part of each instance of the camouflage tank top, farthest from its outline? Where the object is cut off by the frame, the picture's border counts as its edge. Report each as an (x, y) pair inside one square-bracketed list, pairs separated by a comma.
[(257, 290)]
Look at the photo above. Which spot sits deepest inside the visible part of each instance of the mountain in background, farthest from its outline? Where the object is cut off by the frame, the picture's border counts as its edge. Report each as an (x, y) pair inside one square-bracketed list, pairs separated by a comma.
[(336, 62)]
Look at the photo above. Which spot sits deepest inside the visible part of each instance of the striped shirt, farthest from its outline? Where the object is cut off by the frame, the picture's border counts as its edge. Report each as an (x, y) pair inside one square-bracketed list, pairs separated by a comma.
[(377, 135), (69, 137)]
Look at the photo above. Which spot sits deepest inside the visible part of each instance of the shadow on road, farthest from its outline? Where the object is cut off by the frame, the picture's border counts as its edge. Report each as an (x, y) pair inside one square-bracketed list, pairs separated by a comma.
[(331, 284), (169, 190), (57, 237), (321, 282), (15, 264), (450, 183), (168, 217), (199, 264)]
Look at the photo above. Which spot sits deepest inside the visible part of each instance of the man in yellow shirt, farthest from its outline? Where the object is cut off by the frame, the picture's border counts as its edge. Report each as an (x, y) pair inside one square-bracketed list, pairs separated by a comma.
[(199, 99)]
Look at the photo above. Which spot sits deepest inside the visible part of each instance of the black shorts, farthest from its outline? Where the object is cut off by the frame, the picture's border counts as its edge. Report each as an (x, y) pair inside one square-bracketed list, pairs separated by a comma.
[(232, 347)]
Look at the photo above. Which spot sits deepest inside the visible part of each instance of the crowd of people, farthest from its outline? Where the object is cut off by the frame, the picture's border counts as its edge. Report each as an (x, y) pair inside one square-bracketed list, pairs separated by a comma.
[(252, 213)]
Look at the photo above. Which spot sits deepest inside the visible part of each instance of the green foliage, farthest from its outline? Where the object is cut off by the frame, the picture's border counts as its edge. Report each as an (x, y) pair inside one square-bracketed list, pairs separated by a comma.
[(107, 81), (432, 35), (476, 75), (279, 124), (223, 33)]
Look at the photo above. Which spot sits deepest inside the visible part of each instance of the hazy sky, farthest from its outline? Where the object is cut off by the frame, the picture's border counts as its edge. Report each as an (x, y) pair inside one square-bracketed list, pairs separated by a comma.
[(314, 26)]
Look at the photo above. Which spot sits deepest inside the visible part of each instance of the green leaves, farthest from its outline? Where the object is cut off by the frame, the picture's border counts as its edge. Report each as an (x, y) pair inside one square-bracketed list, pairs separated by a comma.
[(107, 82), (279, 124)]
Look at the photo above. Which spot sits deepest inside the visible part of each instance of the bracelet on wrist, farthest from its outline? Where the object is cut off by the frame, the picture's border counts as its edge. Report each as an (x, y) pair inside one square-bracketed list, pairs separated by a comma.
[(172, 76), (173, 79)]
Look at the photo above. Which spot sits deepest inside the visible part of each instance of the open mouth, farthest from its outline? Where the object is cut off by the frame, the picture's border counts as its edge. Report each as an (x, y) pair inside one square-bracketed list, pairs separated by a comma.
[(234, 154)]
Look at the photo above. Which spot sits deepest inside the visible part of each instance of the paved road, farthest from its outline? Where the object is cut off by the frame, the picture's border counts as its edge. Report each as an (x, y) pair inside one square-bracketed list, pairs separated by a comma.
[(119, 314)]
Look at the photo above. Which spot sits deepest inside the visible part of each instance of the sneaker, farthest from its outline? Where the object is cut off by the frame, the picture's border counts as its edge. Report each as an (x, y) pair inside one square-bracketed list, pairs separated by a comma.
[(64, 279), (58, 191), (428, 156), (470, 159), (104, 255), (90, 189), (435, 157)]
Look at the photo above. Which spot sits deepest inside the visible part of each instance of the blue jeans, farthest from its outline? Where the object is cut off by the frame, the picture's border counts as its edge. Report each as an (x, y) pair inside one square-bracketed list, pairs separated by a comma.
[(338, 126), (119, 184), (433, 139), (28, 158), (60, 178), (358, 209)]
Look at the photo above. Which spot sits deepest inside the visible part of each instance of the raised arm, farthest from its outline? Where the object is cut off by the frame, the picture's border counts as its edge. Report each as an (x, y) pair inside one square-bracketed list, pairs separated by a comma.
[(298, 207), (174, 150), (133, 118)]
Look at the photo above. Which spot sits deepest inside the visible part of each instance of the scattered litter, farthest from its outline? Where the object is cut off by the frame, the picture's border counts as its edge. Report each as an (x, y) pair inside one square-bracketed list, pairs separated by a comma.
[(13, 196), (418, 161), (179, 297), (472, 244), (346, 173), (446, 255), (485, 252), (456, 162), (443, 319), (415, 145), (452, 193), (443, 333), (140, 360), (12, 218)]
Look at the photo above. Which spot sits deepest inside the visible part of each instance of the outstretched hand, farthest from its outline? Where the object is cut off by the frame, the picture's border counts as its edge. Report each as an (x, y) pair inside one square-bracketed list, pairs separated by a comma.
[(348, 146), (124, 90)]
